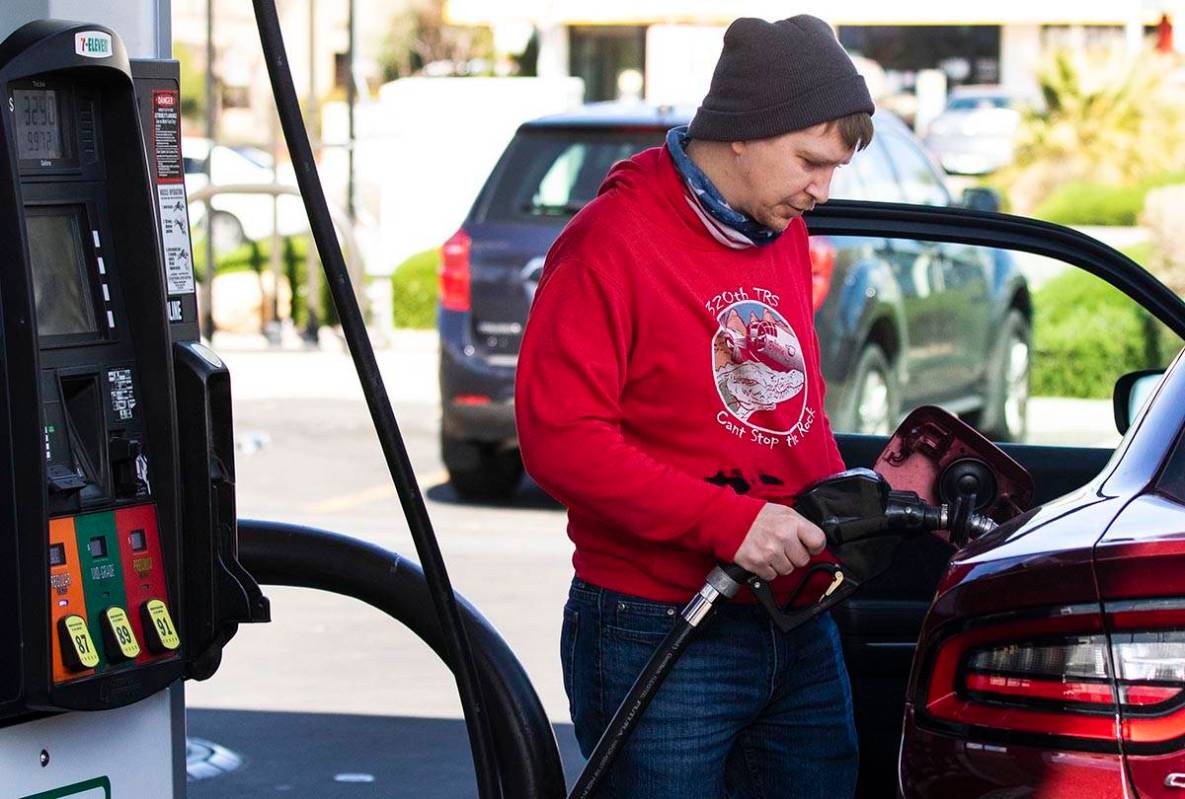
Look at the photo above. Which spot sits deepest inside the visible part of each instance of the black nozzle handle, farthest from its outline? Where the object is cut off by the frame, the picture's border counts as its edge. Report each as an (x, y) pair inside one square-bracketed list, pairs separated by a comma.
[(785, 619)]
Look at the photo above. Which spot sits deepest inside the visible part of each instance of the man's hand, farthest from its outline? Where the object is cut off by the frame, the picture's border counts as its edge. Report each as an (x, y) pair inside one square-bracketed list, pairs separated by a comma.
[(779, 541)]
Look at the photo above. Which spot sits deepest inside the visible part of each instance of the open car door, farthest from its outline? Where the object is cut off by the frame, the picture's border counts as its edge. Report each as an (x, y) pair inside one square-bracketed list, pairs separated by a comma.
[(1065, 440)]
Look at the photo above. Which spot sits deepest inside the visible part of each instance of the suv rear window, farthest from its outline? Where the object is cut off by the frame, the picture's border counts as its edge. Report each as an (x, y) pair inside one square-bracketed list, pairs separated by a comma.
[(549, 175)]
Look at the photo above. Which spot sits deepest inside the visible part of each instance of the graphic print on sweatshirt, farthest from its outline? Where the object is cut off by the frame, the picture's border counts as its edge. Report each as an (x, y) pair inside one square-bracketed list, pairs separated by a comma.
[(759, 370)]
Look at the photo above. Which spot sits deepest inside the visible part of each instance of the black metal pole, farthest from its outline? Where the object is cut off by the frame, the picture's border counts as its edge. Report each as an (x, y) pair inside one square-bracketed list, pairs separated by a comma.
[(379, 403), (351, 101), (207, 324), (312, 284)]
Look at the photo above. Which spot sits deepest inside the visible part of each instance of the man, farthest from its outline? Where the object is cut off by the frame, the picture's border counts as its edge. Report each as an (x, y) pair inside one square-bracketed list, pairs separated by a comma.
[(669, 394)]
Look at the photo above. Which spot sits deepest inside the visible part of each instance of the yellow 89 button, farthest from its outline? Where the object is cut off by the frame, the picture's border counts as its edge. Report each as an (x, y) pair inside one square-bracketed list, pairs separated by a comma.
[(119, 638)]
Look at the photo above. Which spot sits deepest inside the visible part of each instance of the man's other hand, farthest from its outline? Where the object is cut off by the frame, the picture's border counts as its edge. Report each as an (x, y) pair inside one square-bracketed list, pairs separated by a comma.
[(779, 541)]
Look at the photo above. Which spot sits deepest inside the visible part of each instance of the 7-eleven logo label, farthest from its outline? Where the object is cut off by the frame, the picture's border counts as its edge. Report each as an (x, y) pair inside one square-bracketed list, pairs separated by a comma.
[(93, 44)]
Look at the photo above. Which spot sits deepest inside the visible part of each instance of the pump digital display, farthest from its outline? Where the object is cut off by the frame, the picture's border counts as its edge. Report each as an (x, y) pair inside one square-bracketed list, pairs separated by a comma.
[(38, 124), (57, 554), (61, 285)]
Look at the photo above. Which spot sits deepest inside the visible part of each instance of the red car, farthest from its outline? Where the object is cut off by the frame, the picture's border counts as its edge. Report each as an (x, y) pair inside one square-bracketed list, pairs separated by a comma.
[(1053, 656), (1045, 659)]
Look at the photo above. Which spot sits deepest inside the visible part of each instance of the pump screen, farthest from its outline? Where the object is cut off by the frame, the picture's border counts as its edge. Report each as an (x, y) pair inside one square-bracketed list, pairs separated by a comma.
[(38, 124), (138, 541), (61, 288), (98, 547), (57, 554)]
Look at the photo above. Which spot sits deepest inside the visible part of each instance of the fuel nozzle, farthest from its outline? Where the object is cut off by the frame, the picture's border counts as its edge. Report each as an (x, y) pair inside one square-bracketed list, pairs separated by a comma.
[(865, 523), (905, 510), (858, 504)]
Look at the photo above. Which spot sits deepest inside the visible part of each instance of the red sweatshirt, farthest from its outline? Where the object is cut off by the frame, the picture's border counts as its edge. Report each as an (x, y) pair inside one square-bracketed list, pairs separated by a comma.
[(668, 385)]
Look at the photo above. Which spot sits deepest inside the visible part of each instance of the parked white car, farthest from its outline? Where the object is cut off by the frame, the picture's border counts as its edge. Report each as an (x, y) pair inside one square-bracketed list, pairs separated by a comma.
[(976, 132), (239, 218)]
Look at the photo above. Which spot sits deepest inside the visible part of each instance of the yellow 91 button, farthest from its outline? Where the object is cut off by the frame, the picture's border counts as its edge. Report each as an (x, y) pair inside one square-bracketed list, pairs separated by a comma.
[(78, 648), (118, 636), (158, 627)]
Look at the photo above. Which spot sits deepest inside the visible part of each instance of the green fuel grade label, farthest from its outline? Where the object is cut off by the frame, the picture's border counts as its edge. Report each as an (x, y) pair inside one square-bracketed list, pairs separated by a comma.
[(98, 788)]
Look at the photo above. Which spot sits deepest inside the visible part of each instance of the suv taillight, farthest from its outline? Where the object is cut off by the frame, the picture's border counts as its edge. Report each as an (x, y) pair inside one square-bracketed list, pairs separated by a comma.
[(822, 254), (454, 272), (1040, 676)]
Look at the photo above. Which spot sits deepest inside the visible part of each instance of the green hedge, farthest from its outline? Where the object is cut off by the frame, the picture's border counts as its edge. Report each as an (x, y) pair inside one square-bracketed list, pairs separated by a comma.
[(1093, 204), (255, 256), (414, 290), (1087, 333)]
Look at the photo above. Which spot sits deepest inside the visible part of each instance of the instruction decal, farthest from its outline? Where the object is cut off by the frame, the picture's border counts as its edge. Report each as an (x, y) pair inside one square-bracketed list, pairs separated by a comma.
[(170, 191), (123, 395), (174, 234)]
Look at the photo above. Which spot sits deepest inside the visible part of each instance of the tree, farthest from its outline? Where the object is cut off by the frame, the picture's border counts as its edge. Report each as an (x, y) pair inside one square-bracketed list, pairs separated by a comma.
[(1108, 119), (420, 36)]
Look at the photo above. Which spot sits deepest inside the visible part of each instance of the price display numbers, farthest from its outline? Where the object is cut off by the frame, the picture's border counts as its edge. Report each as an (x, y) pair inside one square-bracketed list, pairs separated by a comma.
[(38, 124)]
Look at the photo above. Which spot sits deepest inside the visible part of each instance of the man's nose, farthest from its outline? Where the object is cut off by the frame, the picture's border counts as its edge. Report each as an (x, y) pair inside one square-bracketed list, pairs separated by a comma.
[(820, 189)]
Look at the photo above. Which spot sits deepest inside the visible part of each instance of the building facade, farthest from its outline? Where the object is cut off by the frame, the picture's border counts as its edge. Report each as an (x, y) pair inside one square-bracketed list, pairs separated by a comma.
[(664, 50)]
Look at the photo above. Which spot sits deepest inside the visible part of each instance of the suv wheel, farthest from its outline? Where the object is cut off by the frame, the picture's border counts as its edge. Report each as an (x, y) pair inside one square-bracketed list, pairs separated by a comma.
[(1008, 386), (873, 398), (479, 470)]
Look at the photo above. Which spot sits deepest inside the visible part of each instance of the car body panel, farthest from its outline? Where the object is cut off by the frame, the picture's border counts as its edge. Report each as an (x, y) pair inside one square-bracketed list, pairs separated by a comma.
[(941, 765)]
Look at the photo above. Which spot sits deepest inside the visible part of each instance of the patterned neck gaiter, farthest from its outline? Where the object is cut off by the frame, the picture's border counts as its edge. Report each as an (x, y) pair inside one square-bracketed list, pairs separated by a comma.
[(730, 227)]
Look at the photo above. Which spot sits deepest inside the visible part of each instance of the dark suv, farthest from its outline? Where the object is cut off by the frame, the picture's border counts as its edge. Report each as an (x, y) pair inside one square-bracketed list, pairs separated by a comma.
[(900, 323)]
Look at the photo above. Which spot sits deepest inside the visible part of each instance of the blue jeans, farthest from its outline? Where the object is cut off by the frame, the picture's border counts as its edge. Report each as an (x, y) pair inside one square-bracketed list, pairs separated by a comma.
[(747, 712)]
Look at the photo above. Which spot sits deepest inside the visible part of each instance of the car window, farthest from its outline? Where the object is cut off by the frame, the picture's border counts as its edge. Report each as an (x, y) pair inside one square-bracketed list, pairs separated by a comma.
[(1172, 479), (918, 180), (876, 179), (1023, 347), (556, 189), (549, 175)]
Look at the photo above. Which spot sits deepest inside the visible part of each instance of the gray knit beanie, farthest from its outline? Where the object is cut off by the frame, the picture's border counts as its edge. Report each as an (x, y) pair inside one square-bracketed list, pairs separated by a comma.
[(775, 77)]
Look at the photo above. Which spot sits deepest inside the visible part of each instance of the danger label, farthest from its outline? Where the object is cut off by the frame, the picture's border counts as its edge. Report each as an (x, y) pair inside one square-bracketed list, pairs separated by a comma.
[(166, 137)]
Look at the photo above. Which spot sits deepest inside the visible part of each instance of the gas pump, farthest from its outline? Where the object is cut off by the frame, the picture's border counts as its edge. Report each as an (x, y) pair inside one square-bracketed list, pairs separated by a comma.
[(118, 564)]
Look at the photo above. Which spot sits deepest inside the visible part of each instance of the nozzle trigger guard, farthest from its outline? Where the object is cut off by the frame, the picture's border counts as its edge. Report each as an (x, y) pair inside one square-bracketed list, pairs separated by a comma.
[(785, 619)]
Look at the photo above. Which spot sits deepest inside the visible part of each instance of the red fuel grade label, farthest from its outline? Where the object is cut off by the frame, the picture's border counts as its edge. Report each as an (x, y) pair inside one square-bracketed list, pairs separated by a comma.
[(143, 568)]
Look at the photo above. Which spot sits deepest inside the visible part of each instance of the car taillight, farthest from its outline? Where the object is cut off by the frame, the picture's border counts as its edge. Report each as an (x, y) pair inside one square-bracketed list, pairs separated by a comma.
[(454, 272), (822, 254), (1038, 677)]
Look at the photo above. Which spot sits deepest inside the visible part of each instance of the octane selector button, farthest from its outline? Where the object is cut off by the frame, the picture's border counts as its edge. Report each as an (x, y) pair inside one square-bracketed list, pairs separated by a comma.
[(118, 637), (158, 627), (78, 648)]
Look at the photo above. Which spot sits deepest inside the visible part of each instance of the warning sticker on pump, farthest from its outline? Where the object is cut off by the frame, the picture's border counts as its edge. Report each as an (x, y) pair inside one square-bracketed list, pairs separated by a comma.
[(166, 139), (174, 234)]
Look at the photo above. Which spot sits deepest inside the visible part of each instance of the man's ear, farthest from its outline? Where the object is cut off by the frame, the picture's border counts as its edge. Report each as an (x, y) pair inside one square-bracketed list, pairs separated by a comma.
[(738, 147)]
